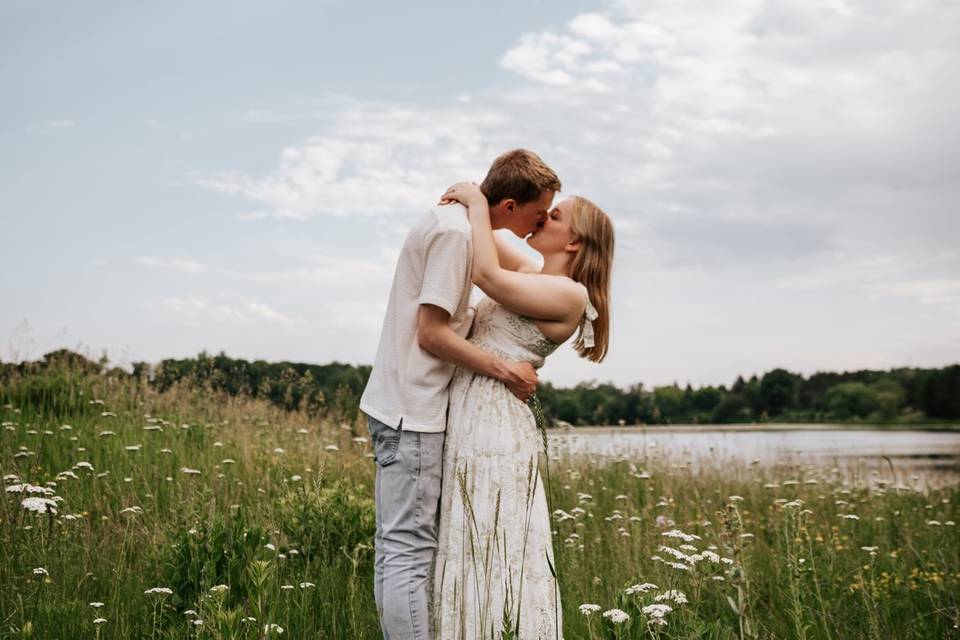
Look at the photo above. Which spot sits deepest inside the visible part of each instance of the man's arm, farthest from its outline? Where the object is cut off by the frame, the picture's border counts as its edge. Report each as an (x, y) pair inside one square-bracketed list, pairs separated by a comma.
[(435, 336)]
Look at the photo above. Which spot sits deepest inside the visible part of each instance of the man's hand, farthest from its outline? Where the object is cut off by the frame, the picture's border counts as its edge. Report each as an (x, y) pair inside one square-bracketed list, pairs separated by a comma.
[(520, 378)]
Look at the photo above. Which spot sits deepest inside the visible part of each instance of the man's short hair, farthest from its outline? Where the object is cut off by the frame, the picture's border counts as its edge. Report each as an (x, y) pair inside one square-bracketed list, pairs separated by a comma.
[(520, 175)]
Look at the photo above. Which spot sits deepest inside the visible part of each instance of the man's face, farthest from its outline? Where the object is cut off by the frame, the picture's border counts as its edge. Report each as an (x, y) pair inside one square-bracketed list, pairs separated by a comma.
[(526, 217)]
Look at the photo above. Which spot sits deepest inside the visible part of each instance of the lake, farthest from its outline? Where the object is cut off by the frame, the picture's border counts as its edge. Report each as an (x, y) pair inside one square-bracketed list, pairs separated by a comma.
[(925, 457)]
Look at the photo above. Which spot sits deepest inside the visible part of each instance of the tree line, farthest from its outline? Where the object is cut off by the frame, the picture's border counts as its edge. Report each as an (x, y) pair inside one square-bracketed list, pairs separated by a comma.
[(901, 395)]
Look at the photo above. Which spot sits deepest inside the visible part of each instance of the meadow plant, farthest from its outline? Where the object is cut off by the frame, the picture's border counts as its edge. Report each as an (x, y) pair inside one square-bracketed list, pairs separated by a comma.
[(189, 513)]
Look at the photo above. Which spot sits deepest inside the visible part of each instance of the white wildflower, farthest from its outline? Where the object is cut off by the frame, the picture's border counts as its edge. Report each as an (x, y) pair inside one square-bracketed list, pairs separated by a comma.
[(678, 597), (676, 533), (39, 505), (641, 588), (616, 616), (657, 610), (159, 591), (676, 553)]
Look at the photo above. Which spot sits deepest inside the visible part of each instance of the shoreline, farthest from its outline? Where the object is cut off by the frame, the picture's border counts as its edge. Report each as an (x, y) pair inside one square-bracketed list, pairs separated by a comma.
[(766, 427)]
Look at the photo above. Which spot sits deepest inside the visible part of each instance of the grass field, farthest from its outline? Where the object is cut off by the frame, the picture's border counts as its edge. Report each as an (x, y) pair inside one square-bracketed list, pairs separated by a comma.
[(133, 514)]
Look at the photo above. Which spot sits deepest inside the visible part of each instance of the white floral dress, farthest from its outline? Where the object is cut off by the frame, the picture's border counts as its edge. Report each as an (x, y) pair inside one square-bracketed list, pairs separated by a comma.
[(494, 562)]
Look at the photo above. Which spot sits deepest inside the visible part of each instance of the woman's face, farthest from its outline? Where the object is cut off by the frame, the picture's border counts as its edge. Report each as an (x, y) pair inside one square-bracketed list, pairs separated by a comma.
[(554, 234)]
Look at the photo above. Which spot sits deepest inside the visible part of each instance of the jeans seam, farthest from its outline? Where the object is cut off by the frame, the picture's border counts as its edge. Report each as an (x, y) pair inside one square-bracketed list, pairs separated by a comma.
[(418, 515)]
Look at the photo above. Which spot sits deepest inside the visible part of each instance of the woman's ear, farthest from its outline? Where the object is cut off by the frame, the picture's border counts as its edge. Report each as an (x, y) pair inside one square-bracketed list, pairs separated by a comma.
[(573, 246)]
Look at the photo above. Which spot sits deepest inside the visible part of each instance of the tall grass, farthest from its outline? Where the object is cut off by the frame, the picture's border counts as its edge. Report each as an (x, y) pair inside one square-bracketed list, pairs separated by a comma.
[(240, 519)]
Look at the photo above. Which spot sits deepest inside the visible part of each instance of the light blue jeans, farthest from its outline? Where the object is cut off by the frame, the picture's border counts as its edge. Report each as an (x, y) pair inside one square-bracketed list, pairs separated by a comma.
[(407, 492)]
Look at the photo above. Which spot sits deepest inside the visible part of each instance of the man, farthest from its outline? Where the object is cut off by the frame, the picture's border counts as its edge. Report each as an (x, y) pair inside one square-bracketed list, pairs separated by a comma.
[(421, 343)]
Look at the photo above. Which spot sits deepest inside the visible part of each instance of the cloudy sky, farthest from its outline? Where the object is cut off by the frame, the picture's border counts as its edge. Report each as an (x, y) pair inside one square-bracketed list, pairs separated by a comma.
[(784, 176)]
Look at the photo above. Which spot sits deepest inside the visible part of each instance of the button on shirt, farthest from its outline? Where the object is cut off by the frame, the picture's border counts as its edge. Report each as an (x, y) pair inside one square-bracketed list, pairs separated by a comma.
[(407, 382)]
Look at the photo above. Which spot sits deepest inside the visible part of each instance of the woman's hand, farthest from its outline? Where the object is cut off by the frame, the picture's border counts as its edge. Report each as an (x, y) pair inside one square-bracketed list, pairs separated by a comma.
[(466, 193)]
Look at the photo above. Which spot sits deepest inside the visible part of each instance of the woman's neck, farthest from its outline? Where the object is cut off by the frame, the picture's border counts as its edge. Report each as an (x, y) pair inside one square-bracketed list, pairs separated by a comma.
[(557, 264)]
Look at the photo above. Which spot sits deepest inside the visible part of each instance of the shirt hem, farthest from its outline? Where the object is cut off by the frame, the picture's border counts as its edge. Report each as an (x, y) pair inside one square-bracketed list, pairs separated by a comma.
[(392, 421)]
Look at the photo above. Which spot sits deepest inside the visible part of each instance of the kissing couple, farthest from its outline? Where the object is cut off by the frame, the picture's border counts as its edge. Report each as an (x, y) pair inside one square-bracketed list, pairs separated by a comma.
[(463, 547)]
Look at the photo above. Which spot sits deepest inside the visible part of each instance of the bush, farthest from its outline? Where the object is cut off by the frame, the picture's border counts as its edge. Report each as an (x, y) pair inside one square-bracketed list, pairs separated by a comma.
[(217, 552), (326, 522)]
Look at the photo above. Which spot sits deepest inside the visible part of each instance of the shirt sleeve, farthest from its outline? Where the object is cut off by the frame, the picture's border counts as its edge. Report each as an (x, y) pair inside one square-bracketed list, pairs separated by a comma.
[(447, 254)]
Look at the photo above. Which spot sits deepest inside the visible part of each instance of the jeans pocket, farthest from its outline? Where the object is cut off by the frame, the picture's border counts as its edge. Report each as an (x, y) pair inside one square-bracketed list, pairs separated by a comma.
[(386, 443)]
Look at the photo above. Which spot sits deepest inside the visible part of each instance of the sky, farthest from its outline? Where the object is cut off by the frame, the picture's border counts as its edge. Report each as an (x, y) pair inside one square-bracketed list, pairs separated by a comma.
[(783, 175)]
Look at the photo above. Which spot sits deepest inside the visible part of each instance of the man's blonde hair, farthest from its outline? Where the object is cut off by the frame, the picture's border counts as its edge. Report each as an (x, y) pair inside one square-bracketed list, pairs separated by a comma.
[(519, 175)]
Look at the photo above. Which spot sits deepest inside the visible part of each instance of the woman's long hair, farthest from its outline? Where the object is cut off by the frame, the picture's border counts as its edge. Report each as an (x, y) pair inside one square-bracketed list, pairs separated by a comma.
[(591, 267)]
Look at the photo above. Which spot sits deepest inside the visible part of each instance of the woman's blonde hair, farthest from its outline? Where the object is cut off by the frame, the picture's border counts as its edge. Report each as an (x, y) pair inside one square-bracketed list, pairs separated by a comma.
[(591, 267)]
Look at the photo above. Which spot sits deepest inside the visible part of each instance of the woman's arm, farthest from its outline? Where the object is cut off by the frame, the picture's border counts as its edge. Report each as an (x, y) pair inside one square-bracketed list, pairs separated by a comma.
[(534, 295)]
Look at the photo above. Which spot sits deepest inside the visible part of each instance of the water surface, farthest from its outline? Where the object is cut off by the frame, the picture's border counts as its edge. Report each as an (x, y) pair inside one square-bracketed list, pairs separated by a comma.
[(912, 454)]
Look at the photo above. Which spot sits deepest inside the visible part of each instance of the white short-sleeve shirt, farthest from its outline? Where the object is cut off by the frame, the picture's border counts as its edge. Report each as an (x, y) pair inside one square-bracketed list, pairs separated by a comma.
[(408, 383)]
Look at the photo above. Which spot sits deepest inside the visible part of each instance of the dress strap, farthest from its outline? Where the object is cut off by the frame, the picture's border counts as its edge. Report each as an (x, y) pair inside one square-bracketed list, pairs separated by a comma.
[(586, 322)]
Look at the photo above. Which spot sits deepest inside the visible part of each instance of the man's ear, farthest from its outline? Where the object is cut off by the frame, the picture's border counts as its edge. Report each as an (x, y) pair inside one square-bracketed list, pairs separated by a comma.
[(509, 205)]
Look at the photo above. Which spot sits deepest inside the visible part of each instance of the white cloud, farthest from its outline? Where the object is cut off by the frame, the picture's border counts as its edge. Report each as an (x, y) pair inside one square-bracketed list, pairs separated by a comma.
[(324, 271), (178, 264), (374, 160), (193, 309)]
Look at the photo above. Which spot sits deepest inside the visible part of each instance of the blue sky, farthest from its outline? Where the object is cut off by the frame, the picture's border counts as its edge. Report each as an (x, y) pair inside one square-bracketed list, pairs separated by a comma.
[(239, 176)]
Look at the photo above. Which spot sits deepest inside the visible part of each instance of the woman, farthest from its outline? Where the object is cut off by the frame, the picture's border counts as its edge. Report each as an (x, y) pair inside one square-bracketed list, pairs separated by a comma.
[(494, 565)]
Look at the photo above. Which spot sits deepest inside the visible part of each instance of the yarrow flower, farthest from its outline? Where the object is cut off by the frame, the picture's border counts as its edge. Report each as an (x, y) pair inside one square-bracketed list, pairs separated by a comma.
[(270, 626), (99, 620), (220, 588), (39, 505), (641, 588), (676, 533), (589, 609), (159, 591), (657, 610), (678, 597), (616, 616)]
